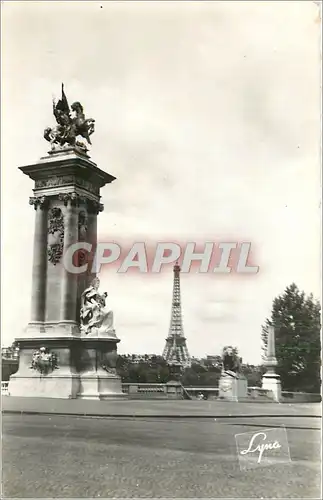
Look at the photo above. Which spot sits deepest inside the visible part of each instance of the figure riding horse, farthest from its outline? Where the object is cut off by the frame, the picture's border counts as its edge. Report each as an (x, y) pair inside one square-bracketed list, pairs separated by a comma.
[(69, 127)]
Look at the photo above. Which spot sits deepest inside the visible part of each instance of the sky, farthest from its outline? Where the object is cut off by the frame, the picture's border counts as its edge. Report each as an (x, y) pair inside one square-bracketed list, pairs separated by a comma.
[(208, 115)]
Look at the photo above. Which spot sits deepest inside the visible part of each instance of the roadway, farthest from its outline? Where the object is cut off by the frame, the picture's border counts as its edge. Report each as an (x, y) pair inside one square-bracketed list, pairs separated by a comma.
[(124, 457)]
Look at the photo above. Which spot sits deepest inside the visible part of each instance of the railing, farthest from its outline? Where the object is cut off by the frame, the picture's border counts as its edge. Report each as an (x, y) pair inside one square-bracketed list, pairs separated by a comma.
[(143, 388), (202, 392), (171, 390), (201, 389), (256, 392), (301, 397), (153, 389)]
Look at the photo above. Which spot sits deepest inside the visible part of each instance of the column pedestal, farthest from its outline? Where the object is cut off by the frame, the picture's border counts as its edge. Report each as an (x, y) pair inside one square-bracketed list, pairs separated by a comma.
[(98, 376), (233, 387), (270, 380), (61, 382)]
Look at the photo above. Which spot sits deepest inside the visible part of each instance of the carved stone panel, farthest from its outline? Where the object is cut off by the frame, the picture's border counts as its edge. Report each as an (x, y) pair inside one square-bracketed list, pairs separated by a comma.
[(85, 184), (65, 180), (54, 181), (55, 235), (82, 225)]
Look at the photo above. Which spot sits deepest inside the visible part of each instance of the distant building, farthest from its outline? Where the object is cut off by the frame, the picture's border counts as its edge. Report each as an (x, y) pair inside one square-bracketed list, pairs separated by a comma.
[(140, 358)]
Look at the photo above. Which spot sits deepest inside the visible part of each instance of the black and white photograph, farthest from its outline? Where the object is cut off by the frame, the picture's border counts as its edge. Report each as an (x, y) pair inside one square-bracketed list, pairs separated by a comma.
[(161, 249)]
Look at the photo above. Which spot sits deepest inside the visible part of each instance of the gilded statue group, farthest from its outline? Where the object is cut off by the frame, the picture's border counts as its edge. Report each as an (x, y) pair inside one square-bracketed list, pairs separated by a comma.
[(95, 317), (69, 126)]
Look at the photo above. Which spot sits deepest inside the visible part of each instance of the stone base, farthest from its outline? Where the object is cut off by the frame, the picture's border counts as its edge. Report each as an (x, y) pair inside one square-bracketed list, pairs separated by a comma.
[(60, 382), (271, 382), (45, 386), (233, 388), (85, 367), (100, 386)]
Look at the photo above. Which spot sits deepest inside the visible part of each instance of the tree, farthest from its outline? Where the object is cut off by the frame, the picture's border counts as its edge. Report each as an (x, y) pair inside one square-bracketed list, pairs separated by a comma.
[(212, 362), (253, 374), (155, 371), (297, 322)]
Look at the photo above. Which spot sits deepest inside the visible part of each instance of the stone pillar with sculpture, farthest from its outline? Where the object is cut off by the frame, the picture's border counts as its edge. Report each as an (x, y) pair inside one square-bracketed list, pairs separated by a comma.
[(270, 380), (69, 347)]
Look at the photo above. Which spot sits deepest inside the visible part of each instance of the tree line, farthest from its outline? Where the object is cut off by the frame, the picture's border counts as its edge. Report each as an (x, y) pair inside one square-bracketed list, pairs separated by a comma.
[(205, 373)]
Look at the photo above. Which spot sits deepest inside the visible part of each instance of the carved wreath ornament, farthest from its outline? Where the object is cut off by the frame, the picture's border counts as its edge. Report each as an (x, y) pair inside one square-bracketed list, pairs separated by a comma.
[(44, 361)]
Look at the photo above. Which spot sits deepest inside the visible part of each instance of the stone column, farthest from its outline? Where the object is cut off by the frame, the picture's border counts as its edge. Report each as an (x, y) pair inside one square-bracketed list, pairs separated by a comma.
[(39, 270), (92, 238), (88, 234), (69, 281), (93, 209)]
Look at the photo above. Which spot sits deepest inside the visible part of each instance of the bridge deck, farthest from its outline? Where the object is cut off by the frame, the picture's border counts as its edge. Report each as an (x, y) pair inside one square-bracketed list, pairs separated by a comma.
[(163, 408)]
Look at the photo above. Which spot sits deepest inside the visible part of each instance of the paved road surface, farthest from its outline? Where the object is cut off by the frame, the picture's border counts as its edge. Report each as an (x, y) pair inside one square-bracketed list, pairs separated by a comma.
[(169, 408), (68, 456)]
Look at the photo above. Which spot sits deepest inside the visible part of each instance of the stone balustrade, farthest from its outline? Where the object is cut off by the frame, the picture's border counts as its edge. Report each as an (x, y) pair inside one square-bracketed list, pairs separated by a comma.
[(177, 391), (133, 388), (159, 391)]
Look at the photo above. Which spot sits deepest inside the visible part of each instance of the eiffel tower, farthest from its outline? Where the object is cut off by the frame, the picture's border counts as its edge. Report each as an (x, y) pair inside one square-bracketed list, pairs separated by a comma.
[(175, 351)]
